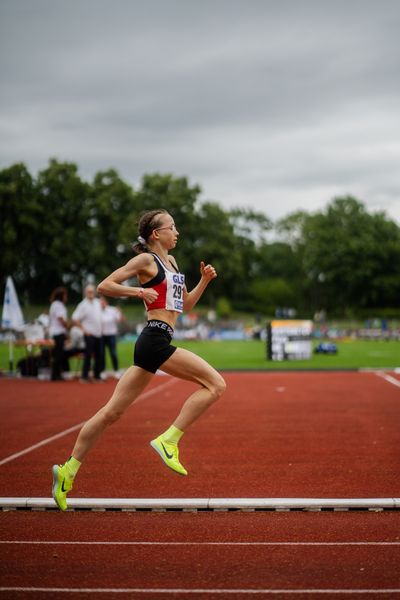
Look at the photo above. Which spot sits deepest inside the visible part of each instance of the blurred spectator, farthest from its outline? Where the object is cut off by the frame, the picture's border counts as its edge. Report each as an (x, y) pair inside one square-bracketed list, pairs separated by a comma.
[(58, 330), (75, 344), (111, 316), (87, 316), (44, 320), (76, 340)]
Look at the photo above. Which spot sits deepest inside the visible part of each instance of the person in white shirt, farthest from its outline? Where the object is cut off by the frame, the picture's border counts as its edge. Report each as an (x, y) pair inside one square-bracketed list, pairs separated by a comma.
[(58, 327), (111, 316), (87, 316)]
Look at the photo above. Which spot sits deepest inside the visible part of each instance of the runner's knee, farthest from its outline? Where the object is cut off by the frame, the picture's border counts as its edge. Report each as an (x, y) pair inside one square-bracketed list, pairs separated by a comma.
[(110, 415), (217, 387), (221, 387)]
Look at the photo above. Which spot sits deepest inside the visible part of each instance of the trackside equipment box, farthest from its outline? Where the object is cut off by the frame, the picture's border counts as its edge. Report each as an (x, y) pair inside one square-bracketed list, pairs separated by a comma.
[(289, 339)]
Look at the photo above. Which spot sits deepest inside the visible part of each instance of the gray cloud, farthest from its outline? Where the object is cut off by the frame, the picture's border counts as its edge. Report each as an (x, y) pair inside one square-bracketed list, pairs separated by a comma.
[(274, 105)]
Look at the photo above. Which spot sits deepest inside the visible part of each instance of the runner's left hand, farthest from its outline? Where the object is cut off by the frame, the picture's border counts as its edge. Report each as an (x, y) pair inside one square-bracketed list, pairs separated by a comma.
[(207, 271)]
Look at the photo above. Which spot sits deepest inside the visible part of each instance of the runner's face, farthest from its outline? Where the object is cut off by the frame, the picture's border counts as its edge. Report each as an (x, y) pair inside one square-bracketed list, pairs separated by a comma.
[(167, 232)]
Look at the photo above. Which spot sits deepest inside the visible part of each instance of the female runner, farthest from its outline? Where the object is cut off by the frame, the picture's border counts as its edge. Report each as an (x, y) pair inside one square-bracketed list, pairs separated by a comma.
[(165, 296)]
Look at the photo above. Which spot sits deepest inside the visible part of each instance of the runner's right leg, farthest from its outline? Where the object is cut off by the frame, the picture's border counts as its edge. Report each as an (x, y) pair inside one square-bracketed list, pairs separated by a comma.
[(128, 388), (126, 391)]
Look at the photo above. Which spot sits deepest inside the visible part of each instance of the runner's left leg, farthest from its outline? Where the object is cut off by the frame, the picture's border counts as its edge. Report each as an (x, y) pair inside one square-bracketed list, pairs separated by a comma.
[(189, 366)]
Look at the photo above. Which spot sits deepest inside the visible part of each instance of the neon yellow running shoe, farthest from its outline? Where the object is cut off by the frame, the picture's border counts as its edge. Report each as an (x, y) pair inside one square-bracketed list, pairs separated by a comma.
[(62, 484), (169, 453)]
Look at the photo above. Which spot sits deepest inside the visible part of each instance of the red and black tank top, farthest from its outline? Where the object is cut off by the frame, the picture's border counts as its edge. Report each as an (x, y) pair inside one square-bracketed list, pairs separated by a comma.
[(169, 285)]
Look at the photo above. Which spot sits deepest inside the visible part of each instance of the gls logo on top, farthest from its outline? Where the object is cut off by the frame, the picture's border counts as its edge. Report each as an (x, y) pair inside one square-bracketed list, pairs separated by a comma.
[(180, 279)]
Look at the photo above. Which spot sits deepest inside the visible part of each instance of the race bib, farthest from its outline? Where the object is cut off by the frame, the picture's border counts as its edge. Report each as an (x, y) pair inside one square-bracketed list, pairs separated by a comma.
[(175, 289)]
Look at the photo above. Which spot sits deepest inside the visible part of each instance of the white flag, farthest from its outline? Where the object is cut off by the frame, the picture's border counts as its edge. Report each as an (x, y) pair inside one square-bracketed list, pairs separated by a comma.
[(12, 314)]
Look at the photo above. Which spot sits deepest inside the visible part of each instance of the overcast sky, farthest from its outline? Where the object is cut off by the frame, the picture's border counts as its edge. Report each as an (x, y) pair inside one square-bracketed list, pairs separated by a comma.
[(277, 105)]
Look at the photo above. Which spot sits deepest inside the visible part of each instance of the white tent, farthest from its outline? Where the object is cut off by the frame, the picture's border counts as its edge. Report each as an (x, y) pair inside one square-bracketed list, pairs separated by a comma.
[(12, 318)]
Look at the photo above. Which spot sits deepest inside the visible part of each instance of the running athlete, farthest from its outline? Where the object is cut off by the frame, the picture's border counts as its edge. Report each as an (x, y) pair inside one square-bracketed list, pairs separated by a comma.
[(165, 296)]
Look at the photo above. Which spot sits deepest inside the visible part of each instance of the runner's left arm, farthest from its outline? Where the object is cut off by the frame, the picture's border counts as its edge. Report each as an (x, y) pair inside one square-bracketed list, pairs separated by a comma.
[(190, 299)]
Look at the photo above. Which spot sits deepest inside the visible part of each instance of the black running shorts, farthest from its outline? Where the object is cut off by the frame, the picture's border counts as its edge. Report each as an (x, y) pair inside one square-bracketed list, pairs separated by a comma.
[(153, 346)]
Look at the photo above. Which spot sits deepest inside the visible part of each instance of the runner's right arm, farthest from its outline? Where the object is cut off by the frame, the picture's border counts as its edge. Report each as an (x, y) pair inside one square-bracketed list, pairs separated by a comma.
[(112, 284)]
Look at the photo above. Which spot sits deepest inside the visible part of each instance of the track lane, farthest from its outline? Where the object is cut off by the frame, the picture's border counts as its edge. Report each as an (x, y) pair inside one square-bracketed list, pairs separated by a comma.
[(244, 567), (202, 527)]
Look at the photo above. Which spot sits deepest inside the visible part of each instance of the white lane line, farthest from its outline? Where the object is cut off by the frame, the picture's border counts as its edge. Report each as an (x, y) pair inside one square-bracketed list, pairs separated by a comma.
[(158, 543), (48, 440), (388, 378), (42, 443), (196, 590)]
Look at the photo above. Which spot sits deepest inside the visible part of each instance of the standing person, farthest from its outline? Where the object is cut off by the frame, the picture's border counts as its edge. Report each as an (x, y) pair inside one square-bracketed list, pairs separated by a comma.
[(58, 328), (111, 316), (163, 291), (87, 316)]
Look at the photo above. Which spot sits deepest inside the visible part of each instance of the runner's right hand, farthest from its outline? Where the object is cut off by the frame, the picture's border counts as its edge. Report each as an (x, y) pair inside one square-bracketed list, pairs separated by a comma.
[(149, 295)]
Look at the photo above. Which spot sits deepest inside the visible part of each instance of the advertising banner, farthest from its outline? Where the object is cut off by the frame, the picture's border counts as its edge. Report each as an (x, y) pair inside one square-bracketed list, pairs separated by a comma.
[(289, 339)]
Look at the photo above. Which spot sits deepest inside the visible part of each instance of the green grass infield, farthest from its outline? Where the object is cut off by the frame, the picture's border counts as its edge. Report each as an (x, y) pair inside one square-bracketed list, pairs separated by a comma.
[(251, 354)]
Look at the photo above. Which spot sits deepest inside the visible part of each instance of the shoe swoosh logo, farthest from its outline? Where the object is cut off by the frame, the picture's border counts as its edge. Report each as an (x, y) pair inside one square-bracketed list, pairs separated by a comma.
[(166, 453), (62, 487)]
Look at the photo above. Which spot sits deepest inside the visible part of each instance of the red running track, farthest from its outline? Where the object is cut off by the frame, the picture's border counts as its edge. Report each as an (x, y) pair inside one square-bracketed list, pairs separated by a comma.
[(271, 551), (273, 435)]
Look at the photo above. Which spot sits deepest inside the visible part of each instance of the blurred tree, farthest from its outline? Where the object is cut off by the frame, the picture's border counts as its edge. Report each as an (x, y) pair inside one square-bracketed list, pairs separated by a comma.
[(20, 225), (250, 224), (62, 250), (280, 265), (166, 191), (223, 308), (350, 258), (112, 202), (213, 241), (250, 229), (383, 256), (278, 259), (272, 293), (291, 228)]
